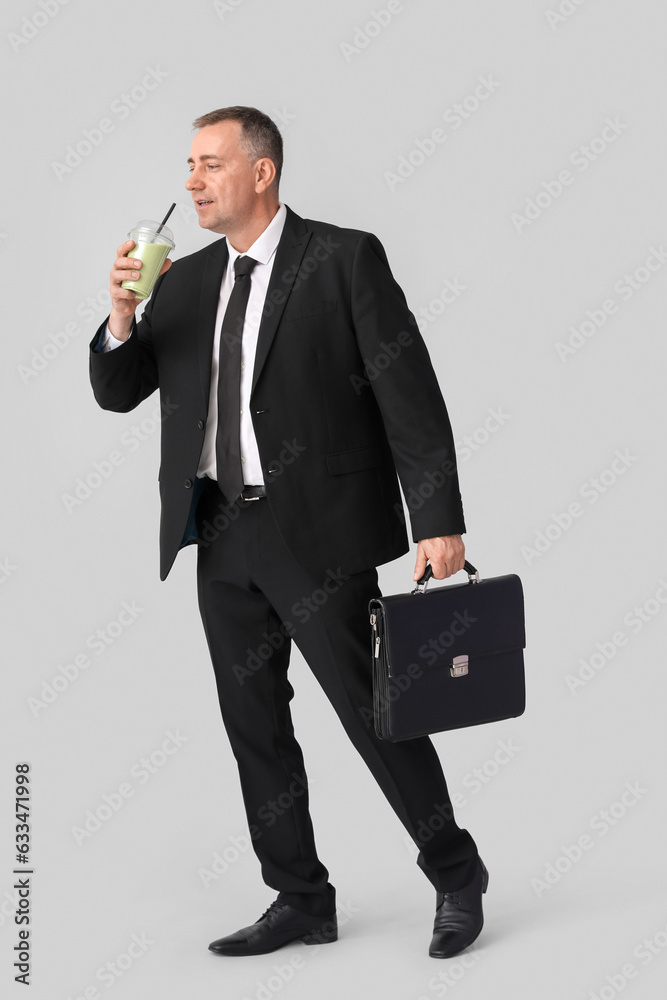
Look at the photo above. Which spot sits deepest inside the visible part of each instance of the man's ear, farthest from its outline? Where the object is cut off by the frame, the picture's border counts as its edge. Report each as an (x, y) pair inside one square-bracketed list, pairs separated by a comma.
[(265, 174)]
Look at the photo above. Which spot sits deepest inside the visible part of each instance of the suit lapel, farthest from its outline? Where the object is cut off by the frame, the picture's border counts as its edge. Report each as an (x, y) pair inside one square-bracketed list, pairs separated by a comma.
[(209, 296), (289, 254)]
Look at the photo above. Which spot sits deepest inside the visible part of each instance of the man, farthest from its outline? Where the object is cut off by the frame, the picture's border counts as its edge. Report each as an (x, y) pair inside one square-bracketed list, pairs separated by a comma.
[(295, 385)]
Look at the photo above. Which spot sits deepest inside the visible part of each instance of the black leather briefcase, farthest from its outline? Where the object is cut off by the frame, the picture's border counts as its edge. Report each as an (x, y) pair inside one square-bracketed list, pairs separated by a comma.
[(449, 658)]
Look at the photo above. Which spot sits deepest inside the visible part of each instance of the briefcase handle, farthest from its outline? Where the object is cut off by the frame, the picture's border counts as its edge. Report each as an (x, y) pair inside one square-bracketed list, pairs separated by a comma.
[(422, 582)]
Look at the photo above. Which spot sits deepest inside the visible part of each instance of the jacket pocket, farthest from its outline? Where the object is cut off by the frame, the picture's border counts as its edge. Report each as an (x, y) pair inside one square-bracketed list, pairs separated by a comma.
[(354, 461)]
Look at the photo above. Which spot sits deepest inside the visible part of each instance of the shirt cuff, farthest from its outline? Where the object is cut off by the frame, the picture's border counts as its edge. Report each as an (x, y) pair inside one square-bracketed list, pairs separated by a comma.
[(106, 341), (109, 342)]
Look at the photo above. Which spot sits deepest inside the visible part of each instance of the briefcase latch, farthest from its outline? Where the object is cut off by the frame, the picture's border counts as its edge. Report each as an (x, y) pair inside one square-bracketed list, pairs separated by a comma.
[(459, 666)]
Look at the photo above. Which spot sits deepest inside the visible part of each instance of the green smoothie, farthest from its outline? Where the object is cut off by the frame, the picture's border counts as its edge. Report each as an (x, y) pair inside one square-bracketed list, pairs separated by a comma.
[(153, 256)]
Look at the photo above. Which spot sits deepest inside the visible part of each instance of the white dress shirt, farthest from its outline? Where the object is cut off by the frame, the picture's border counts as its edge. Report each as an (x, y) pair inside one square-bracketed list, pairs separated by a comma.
[(263, 251)]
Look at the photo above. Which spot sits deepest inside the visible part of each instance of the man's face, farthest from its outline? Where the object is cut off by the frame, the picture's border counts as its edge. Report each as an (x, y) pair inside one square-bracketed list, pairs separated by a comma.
[(222, 178)]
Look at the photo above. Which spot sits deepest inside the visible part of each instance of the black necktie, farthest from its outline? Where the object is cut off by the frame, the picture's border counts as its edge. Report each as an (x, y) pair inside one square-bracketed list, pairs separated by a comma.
[(227, 443)]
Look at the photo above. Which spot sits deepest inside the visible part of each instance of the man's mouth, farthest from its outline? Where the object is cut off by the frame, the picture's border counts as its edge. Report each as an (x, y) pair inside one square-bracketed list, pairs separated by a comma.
[(202, 201)]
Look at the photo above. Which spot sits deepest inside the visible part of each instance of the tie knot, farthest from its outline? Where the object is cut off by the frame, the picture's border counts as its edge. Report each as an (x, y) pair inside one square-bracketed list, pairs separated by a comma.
[(243, 266)]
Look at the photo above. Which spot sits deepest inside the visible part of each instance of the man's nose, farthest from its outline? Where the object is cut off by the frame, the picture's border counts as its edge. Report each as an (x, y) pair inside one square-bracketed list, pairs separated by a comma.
[(192, 181)]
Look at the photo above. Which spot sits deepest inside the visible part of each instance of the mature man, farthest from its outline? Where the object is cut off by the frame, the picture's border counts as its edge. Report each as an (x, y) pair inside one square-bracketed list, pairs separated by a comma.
[(295, 387)]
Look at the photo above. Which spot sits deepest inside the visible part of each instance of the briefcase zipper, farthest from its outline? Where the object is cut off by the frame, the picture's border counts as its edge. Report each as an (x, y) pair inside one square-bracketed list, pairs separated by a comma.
[(377, 637)]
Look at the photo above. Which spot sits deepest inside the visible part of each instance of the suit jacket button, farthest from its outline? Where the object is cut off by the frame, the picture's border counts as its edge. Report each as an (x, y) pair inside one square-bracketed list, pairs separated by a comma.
[(200, 424), (188, 484)]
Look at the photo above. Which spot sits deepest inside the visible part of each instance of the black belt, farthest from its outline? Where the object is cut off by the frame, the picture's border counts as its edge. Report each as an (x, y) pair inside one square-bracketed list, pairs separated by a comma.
[(252, 493)]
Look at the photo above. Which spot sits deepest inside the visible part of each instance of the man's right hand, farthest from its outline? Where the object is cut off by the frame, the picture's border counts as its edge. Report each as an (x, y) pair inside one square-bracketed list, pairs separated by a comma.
[(123, 300)]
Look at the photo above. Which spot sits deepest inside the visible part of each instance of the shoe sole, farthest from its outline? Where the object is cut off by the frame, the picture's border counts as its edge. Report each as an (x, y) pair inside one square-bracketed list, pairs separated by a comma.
[(325, 935)]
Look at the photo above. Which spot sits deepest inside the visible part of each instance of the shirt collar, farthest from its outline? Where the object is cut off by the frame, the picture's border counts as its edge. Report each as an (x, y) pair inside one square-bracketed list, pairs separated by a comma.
[(264, 247)]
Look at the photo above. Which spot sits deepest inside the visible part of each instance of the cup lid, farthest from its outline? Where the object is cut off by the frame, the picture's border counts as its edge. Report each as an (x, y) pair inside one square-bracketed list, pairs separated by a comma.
[(150, 228)]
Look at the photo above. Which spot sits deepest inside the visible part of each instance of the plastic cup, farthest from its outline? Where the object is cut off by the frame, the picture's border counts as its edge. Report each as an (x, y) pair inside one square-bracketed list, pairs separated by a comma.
[(152, 249)]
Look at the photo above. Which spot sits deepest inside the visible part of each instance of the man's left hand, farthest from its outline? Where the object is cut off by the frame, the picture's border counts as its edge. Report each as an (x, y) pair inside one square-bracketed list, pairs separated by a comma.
[(446, 554)]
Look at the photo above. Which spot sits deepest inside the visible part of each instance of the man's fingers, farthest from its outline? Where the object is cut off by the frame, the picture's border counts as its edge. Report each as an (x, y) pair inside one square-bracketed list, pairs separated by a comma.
[(124, 249), (125, 269), (124, 263), (126, 293), (165, 267), (446, 566), (439, 567), (420, 565), (127, 263), (446, 554)]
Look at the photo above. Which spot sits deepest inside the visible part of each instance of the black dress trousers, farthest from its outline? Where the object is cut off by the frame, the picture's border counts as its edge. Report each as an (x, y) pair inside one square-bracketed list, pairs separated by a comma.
[(255, 599)]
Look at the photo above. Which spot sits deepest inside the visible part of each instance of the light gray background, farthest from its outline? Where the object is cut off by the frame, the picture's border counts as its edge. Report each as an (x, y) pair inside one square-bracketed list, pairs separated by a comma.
[(347, 117)]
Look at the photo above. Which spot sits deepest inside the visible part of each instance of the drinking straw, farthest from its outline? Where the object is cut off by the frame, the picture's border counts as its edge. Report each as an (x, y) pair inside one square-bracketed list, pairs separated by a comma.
[(165, 219)]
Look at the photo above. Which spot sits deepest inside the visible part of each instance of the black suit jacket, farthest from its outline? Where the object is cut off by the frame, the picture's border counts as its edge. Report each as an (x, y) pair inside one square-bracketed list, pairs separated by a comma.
[(344, 396)]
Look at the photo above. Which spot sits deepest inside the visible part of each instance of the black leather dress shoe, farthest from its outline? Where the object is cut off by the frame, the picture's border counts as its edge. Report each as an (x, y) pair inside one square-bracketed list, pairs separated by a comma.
[(458, 916), (276, 927)]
